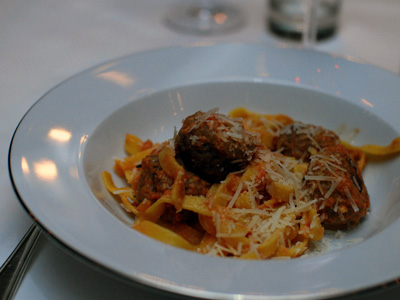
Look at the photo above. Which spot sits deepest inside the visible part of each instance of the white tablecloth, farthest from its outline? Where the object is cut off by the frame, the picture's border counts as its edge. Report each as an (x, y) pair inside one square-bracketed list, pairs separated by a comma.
[(43, 42)]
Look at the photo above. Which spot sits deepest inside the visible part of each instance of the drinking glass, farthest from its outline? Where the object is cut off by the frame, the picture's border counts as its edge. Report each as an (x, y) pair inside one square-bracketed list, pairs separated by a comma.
[(305, 20)]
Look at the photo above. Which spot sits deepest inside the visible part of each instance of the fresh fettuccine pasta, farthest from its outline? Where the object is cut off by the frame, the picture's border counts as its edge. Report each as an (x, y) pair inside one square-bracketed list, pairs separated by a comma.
[(249, 186)]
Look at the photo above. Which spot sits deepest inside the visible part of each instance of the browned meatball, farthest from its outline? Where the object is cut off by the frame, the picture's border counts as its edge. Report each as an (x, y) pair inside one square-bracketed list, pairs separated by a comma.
[(212, 145), (301, 140), (153, 181), (336, 182)]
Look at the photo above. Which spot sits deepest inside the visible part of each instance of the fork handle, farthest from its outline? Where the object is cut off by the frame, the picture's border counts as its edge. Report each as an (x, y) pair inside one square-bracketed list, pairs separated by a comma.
[(14, 268)]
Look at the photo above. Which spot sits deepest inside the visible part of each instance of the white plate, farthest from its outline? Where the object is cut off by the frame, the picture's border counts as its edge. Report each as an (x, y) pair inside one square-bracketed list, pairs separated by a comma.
[(73, 133)]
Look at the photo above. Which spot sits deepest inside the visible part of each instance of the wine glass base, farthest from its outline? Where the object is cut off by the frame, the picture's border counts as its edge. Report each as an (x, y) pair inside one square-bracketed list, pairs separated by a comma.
[(220, 18)]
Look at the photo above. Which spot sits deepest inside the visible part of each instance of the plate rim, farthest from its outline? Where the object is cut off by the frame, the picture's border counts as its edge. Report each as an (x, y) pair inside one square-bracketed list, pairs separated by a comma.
[(140, 280)]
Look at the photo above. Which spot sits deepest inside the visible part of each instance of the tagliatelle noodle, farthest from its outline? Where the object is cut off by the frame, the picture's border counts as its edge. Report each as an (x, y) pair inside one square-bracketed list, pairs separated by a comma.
[(377, 150), (258, 213)]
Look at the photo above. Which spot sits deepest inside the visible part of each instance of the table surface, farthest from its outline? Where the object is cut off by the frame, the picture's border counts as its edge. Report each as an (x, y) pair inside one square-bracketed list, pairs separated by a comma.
[(44, 42)]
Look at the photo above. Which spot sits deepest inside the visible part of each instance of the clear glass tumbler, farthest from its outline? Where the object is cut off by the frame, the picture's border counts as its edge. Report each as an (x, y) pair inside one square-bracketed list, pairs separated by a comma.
[(296, 18)]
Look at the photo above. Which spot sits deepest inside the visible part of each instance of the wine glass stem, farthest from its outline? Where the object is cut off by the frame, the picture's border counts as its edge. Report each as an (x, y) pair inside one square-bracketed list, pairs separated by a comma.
[(207, 4)]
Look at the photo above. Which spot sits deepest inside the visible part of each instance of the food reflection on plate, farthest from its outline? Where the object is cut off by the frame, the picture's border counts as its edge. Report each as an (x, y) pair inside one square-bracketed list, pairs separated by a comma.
[(248, 185)]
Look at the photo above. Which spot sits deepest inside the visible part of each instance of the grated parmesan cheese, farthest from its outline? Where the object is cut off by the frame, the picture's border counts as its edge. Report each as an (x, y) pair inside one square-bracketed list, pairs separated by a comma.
[(351, 199)]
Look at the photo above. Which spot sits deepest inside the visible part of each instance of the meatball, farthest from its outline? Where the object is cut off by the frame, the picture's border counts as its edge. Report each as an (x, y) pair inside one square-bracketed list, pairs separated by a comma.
[(213, 145), (336, 182), (302, 140), (153, 181)]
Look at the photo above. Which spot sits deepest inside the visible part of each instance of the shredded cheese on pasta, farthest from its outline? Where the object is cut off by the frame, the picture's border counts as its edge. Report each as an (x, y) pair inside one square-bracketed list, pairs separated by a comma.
[(261, 212)]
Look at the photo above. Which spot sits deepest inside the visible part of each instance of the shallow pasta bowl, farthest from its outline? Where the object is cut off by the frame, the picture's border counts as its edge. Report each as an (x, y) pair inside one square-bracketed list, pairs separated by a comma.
[(74, 132)]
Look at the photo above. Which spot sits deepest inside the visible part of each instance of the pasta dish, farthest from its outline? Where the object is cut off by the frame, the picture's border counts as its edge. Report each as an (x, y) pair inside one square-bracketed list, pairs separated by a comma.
[(247, 185)]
